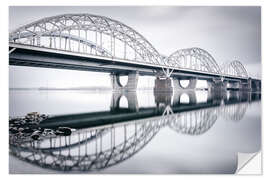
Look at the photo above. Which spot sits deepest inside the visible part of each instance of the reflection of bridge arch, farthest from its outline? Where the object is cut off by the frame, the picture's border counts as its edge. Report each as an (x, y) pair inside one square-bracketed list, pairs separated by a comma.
[(73, 140), (87, 33), (194, 124), (103, 154), (193, 59), (106, 144), (234, 112), (102, 150)]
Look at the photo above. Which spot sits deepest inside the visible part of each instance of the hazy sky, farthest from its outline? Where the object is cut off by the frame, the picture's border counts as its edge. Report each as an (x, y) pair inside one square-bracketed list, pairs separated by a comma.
[(227, 33)]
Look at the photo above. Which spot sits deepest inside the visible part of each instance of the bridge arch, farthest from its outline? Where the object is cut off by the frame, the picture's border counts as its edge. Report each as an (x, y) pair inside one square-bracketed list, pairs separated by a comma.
[(90, 34), (193, 59), (235, 68)]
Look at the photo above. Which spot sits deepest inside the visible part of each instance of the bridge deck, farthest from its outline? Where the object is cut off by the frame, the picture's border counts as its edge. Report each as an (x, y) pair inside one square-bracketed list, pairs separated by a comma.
[(26, 55)]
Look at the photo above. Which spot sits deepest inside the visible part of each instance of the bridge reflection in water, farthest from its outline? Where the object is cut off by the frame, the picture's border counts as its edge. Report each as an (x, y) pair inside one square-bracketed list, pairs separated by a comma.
[(104, 139)]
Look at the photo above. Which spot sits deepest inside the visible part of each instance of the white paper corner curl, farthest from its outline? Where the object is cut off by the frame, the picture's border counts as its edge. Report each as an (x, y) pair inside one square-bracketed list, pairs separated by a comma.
[(249, 163)]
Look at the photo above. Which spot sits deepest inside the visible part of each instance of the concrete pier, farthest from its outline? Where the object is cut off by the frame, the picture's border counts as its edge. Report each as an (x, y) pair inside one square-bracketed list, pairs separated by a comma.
[(246, 85), (163, 85), (217, 85), (191, 85), (131, 85), (234, 85), (255, 85)]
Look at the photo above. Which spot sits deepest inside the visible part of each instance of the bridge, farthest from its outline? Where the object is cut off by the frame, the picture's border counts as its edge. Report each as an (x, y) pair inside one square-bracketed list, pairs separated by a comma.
[(97, 43), (97, 146)]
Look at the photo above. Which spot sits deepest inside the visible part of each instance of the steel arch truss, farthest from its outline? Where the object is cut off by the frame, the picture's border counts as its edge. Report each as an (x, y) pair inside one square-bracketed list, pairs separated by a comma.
[(102, 36), (87, 33), (193, 59), (235, 68)]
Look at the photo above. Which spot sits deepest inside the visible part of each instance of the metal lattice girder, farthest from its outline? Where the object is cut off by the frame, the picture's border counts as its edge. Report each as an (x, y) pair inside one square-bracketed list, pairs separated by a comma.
[(102, 36), (193, 59), (63, 31), (235, 68)]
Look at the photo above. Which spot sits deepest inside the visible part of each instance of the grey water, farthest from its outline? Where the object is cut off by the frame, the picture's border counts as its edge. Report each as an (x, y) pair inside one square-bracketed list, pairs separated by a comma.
[(142, 132)]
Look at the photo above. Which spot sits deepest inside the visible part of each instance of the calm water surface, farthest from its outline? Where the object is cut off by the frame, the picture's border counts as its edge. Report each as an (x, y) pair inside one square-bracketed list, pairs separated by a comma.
[(143, 132)]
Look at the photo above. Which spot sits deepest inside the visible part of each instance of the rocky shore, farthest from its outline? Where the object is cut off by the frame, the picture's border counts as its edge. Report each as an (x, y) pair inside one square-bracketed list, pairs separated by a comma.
[(27, 128)]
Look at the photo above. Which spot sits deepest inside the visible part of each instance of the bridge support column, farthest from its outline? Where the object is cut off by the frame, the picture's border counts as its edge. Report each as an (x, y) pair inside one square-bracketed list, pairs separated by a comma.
[(163, 85), (131, 100), (176, 84), (191, 85), (246, 85), (234, 85), (255, 85), (130, 86), (217, 85)]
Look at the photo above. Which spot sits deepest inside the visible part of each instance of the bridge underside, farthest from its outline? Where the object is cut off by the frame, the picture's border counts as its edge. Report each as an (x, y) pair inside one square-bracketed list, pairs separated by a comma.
[(25, 55)]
